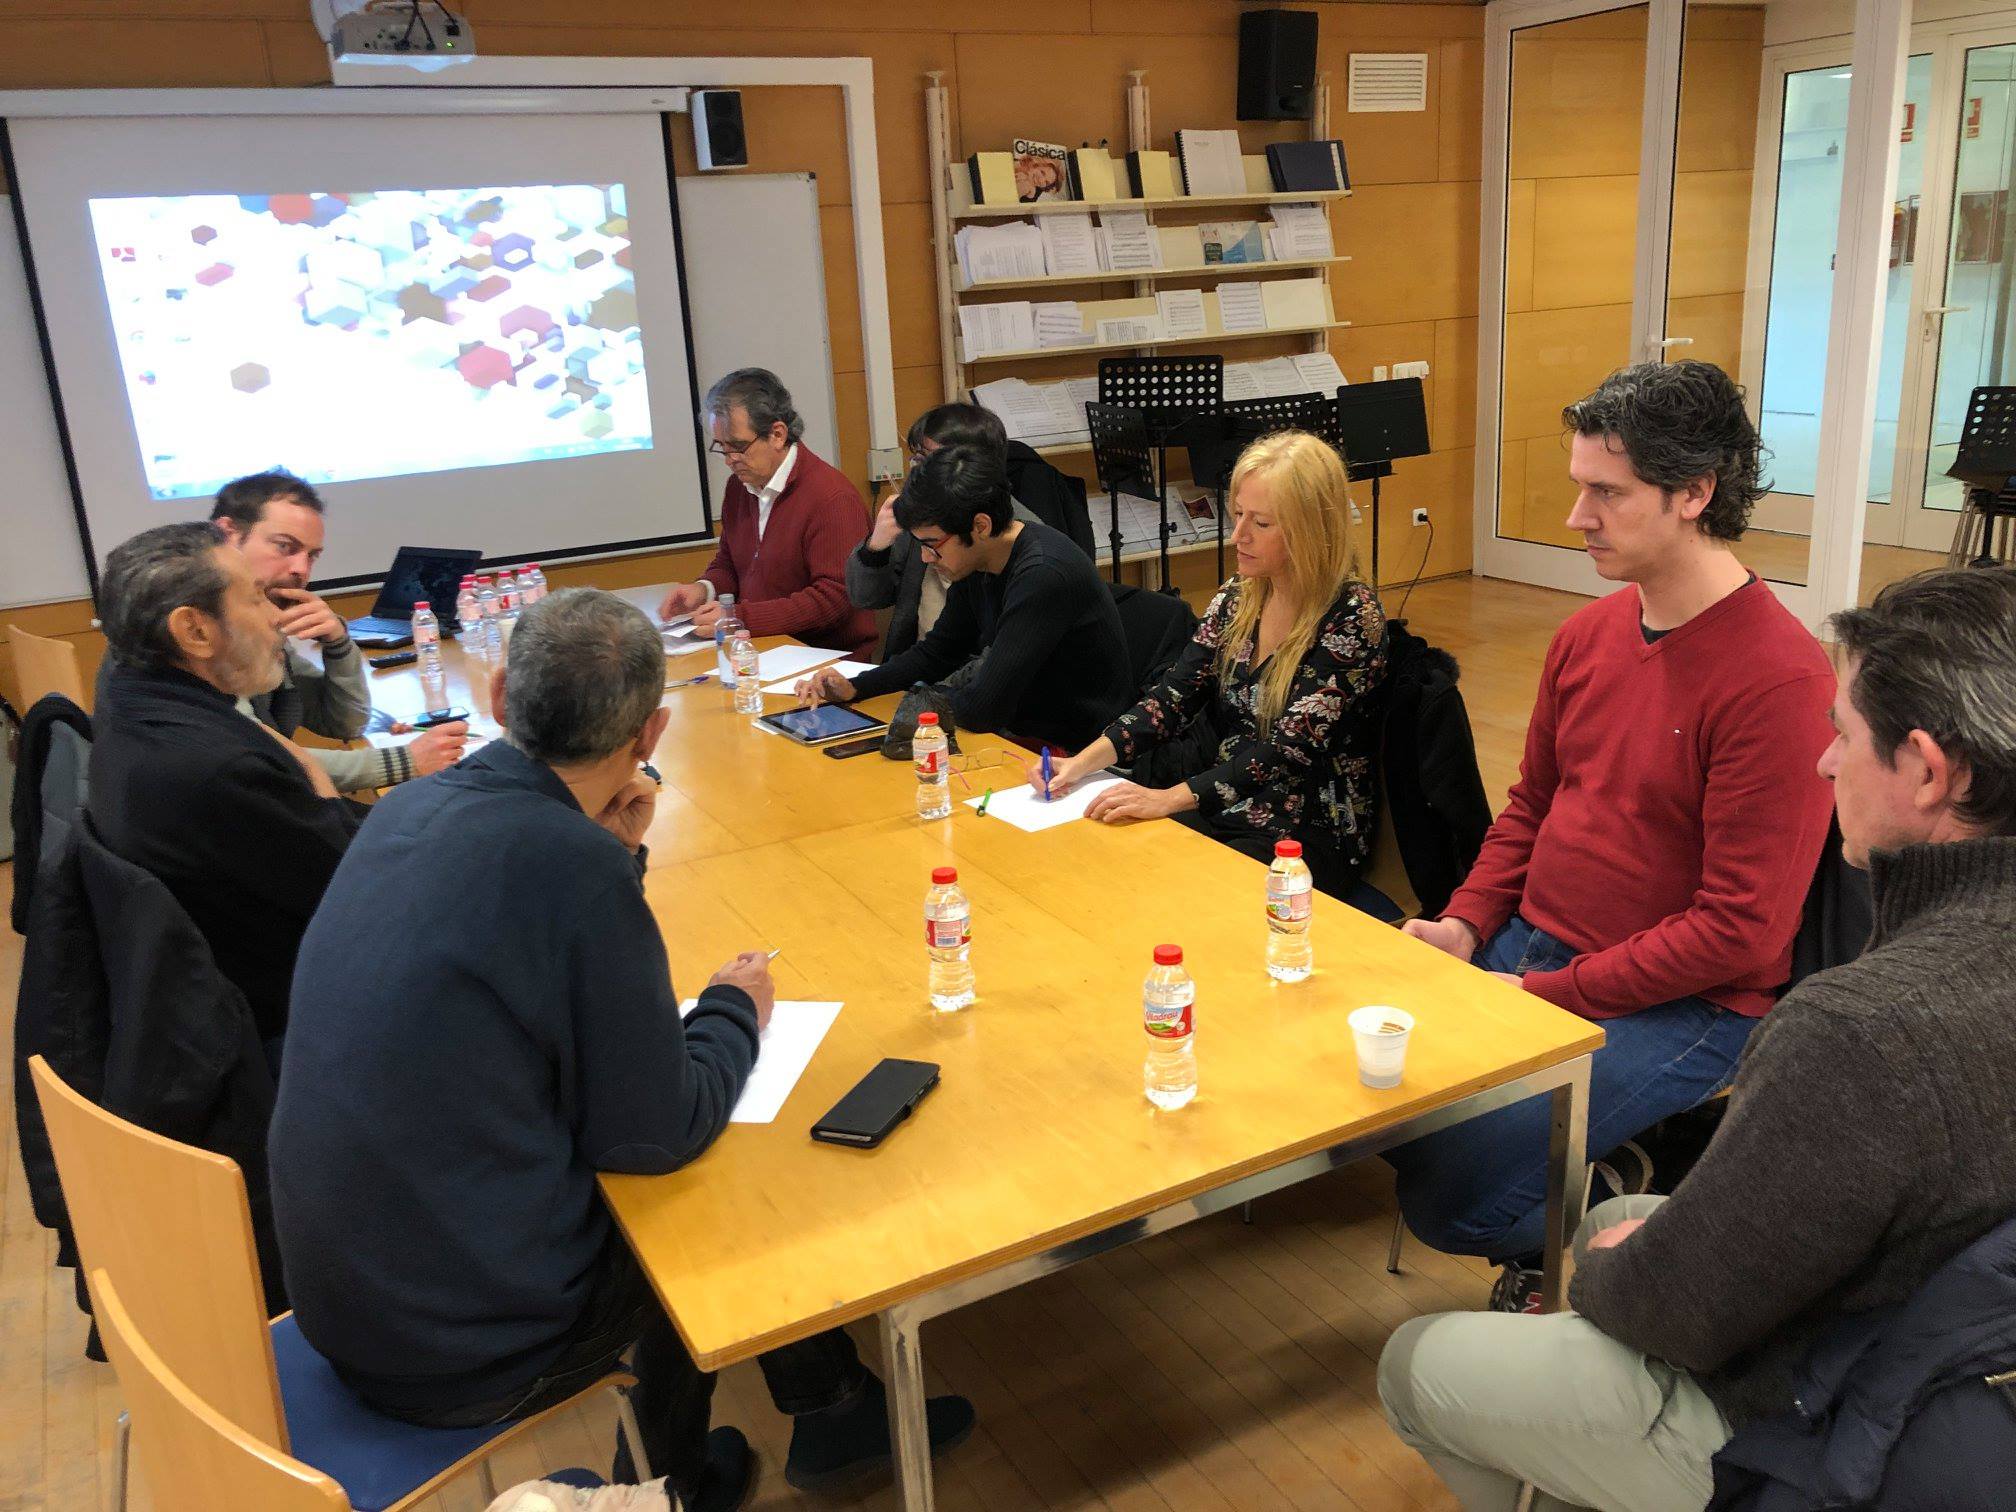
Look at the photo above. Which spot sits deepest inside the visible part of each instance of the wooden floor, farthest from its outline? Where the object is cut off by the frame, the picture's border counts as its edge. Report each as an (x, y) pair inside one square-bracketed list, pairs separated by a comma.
[(1216, 1366)]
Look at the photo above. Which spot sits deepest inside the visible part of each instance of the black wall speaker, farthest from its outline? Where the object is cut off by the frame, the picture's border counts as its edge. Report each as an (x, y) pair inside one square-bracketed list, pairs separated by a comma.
[(718, 139), (1277, 65)]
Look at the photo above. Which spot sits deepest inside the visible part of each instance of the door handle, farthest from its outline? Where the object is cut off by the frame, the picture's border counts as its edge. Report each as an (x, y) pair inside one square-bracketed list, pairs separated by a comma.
[(1936, 315), (1666, 343), (1949, 309)]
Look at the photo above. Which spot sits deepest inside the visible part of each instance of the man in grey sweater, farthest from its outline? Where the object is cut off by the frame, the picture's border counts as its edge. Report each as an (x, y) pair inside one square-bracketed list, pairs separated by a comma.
[(1868, 1138)]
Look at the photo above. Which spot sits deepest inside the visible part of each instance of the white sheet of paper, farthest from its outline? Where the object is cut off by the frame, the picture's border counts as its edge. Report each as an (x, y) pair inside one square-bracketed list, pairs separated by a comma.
[(1320, 371), (786, 687), (1006, 327), (1278, 378), (791, 661), (1134, 330), (1303, 231), (1068, 243), (1240, 307), (1129, 240), (1024, 807), (786, 1050), (1182, 312), (1060, 323), (1240, 382)]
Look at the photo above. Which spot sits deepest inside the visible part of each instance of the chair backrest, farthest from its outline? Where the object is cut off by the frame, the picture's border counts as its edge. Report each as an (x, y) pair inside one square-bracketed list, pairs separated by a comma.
[(195, 1458), (171, 1224), (43, 664), (1156, 627)]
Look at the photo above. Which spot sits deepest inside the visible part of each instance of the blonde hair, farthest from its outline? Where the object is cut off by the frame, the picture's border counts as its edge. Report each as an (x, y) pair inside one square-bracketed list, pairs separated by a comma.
[(1309, 494)]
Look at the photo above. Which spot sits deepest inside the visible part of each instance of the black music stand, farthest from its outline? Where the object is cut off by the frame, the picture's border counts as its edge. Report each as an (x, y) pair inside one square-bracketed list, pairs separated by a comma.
[(1378, 423), (1215, 441), (1169, 392), (1124, 460), (1986, 463)]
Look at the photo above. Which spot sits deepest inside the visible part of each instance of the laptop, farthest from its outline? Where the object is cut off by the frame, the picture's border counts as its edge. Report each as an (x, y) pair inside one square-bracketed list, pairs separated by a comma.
[(434, 573)]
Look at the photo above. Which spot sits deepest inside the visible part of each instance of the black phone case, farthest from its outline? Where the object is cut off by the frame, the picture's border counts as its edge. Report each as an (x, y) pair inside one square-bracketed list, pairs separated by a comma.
[(840, 750), (877, 1104)]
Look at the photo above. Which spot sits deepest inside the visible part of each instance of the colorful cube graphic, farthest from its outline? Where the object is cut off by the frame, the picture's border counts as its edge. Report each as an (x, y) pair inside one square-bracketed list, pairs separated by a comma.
[(484, 367), (250, 377), (213, 275), (512, 251)]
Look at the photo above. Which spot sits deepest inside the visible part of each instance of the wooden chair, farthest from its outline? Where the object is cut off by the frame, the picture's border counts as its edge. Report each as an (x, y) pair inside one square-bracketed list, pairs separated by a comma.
[(197, 1459), (171, 1225), (43, 664)]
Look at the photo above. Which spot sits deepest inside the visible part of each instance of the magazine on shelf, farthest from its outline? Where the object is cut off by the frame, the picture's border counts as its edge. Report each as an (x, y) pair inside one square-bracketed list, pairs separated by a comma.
[(1232, 242), (1042, 171)]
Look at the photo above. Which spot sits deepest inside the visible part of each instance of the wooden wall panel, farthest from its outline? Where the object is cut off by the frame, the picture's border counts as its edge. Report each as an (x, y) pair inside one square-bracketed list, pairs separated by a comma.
[(1414, 253), (1553, 357), (1585, 240)]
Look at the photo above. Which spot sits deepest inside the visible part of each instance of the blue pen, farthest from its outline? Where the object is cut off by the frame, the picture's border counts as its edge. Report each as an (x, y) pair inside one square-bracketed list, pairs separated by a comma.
[(1046, 774)]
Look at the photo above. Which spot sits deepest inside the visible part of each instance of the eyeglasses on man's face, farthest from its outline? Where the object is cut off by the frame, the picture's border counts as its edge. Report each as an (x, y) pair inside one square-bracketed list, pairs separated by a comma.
[(732, 450)]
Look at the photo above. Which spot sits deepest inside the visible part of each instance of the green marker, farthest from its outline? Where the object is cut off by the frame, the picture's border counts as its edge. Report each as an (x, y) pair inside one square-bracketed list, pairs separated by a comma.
[(984, 801)]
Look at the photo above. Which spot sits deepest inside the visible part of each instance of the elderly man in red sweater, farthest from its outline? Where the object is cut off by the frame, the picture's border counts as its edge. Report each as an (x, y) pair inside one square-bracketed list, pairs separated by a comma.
[(789, 522), (1651, 864)]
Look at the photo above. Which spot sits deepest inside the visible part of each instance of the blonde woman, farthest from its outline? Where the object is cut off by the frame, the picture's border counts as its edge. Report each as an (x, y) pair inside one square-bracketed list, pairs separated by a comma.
[(1280, 673)]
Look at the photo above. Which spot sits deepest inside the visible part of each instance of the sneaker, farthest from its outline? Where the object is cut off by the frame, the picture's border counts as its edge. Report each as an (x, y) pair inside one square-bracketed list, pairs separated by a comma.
[(847, 1445), (1626, 1170), (1518, 1289)]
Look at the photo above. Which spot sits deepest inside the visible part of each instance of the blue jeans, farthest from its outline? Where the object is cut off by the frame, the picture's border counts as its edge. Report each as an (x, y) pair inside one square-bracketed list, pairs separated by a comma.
[(1480, 1187)]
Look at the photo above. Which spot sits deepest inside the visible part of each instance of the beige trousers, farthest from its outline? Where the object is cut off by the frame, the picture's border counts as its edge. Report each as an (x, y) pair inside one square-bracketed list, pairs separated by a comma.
[(1494, 1399)]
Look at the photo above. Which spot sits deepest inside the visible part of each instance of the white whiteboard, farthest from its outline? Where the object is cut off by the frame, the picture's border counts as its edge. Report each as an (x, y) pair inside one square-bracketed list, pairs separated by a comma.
[(756, 296), (756, 292), (41, 557)]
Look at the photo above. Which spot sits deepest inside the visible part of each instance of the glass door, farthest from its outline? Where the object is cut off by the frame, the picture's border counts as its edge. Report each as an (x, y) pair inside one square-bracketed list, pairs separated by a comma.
[(1970, 332)]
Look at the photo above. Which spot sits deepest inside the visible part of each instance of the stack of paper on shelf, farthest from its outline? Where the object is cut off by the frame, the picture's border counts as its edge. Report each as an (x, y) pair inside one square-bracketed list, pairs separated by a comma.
[(1039, 414), (1181, 312), (1015, 249), (1006, 327), (1068, 244), (1060, 323), (1300, 233), (1127, 242), (1182, 246), (1319, 372)]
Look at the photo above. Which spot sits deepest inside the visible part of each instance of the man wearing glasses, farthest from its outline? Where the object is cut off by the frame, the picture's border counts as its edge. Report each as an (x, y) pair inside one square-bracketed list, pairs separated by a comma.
[(788, 524)]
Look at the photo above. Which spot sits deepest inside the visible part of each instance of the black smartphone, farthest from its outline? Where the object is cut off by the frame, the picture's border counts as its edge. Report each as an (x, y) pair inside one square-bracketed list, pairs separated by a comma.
[(879, 1102), (841, 750), (396, 659), (435, 717)]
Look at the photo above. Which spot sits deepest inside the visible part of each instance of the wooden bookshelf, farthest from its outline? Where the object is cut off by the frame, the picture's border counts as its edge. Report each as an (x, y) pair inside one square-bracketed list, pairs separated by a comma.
[(1149, 275), (963, 208)]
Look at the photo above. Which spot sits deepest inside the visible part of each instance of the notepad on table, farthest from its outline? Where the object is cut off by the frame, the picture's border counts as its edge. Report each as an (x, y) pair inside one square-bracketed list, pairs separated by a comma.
[(1026, 809), (784, 1051)]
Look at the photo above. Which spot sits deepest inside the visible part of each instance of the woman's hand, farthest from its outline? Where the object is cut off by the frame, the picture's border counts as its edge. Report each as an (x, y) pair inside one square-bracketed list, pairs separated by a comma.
[(1129, 800), (1066, 772)]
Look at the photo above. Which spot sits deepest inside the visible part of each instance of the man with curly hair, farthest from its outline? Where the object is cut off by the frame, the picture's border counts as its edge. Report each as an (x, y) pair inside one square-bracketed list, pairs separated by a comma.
[(1650, 866)]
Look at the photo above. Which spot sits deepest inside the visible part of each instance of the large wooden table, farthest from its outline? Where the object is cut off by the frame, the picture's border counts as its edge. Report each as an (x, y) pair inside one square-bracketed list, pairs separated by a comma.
[(1037, 1149)]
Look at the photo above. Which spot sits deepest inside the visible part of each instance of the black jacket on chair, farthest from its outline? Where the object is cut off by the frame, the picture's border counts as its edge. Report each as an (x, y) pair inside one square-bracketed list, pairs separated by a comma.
[(185, 786), (121, 996), (49, 789), (1054, 497), (1428, 763)]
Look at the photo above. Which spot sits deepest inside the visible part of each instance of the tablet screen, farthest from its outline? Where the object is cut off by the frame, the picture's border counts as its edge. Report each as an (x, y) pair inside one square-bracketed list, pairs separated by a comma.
[(824, 722)]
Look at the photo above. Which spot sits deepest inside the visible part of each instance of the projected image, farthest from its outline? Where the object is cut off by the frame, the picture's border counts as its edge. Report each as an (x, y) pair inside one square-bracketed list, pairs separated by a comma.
[(373, 334)]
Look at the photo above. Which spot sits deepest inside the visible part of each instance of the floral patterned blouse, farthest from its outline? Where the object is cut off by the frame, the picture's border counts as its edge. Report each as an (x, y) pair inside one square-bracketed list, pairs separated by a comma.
[(1311, 776)]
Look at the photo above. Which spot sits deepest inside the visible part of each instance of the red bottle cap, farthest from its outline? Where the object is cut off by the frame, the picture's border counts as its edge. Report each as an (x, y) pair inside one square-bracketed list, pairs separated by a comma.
[(928, 717), (940, 875), (422, 604), (1168, 955), (1287, 847)]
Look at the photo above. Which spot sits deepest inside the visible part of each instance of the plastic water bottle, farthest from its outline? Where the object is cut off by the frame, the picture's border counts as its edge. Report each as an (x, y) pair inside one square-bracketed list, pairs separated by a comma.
[(486, 604), (742, 656), (1289, 952), (508, 601), (927, 754), (726, 629), (532, 585), (427, 645), (469, 615), (1168, 1013), (948, 934)]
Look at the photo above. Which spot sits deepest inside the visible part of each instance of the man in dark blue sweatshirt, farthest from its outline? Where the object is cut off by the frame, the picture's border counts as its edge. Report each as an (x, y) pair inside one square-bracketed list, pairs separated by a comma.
[(483, 1019)]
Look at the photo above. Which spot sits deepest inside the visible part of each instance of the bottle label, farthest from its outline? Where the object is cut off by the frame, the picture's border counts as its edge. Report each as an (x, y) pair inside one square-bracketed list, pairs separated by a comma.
[(1286, 905), (948, 934), (930, 764), (1170, 1021)]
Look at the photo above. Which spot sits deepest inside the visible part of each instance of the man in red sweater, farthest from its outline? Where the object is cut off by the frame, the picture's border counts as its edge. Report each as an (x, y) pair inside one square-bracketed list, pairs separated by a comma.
[(1651, 864), (789, 522)]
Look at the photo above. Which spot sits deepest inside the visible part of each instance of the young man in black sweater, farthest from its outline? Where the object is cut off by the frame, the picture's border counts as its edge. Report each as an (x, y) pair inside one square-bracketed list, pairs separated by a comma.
[(1056, 663), (452, 1088), (1868, 1139)]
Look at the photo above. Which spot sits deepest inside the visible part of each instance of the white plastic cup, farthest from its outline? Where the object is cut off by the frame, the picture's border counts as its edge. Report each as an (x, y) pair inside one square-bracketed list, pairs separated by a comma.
[(1381, 1034)]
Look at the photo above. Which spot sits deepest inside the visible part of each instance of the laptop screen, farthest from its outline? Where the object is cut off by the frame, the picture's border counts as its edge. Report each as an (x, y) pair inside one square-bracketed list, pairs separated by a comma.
[(430, 572)]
